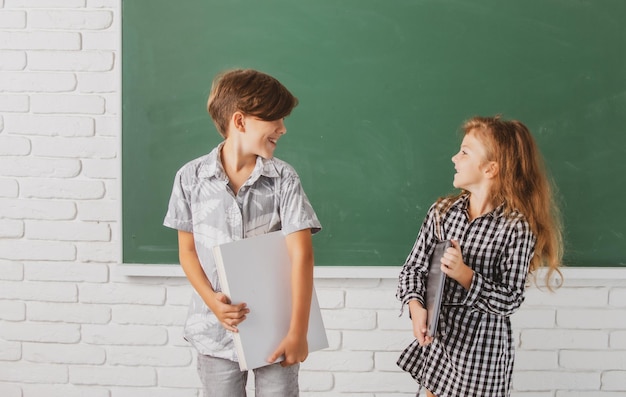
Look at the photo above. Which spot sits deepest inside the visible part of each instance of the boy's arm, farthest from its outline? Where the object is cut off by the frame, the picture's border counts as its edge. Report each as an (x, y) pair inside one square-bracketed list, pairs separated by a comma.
[(228, 315), (295, 346)]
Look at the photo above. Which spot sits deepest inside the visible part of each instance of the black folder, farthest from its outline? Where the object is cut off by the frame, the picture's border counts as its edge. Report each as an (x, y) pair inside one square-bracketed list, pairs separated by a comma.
[(434, 286)]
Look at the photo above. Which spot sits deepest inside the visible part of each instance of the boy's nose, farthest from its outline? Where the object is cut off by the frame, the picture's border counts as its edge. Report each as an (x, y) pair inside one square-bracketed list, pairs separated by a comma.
[(281, 128)]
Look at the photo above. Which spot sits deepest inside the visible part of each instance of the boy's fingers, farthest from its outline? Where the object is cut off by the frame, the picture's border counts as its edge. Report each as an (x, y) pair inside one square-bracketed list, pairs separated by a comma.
[(223, 298), (275, 355), (229, 327), (239, 312), (238, 308), (289, 361)]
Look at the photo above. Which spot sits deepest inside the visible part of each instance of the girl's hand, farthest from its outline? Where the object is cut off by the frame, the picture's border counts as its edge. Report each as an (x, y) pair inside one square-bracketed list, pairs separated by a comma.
[(419, 316), (453, 266), (228, 315)]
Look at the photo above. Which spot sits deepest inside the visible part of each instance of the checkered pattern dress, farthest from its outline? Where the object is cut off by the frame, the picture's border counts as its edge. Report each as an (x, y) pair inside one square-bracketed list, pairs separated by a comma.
[(473, 353)]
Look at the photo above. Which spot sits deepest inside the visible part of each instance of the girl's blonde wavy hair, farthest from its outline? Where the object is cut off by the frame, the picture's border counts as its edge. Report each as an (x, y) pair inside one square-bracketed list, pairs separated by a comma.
[(523, 185)]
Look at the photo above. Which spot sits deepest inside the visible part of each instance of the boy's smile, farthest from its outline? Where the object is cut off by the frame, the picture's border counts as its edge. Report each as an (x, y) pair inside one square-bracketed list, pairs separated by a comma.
[(261, 136)]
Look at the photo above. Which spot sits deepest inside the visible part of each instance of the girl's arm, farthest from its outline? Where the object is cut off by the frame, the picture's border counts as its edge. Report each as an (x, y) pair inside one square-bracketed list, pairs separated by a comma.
[(412, 281), (228, 315), (295, 346), (412, 278), (419, 317), (505, 296)]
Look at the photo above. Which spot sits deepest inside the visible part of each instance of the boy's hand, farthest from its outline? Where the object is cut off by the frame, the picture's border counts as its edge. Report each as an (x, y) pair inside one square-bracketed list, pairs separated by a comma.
[(228, 315), (295, 350), (419, 316)]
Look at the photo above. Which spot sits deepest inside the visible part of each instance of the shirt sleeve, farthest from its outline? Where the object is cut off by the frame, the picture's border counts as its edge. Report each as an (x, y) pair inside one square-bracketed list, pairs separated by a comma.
[(296, 212), (412, 279), (178, 214), (507, 295)]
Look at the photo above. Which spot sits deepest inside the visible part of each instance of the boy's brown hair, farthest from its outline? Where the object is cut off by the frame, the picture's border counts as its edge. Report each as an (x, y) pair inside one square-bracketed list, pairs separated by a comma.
[(251, 92)]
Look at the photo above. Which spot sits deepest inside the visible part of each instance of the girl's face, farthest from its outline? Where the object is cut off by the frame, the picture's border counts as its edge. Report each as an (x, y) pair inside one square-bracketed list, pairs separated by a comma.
[(471, 164)]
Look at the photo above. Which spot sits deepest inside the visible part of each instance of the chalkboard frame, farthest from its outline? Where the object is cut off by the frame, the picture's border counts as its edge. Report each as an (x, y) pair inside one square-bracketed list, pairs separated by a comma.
[(383, 89)]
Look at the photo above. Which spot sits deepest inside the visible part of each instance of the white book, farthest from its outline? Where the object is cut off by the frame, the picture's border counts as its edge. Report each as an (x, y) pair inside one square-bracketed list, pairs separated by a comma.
[(257, 271)]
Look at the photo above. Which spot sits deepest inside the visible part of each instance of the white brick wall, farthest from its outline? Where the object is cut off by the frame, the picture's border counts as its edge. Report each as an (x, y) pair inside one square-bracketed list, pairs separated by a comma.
[(73, 323)]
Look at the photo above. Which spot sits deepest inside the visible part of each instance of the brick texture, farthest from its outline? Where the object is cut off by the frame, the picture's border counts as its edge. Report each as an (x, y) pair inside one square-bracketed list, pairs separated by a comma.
[(71, 324)]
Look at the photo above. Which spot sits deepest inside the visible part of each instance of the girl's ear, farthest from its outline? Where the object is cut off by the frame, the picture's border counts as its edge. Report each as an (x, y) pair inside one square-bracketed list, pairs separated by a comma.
[(492, 169)]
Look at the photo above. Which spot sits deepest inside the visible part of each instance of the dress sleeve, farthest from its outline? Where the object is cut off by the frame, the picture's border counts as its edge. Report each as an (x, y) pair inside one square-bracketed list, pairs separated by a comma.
[(506, 296), (412, 279)]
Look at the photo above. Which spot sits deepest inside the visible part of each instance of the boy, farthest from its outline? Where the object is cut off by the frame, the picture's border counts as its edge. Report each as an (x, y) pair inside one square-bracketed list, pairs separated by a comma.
[(240, 190)]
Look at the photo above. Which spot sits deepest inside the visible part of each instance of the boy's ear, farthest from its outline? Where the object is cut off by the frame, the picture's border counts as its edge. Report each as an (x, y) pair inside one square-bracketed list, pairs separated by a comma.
[(238, 120)]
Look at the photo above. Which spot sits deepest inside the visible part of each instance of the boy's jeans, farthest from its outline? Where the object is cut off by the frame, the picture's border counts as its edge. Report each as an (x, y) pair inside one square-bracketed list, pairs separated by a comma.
[(222, 378)]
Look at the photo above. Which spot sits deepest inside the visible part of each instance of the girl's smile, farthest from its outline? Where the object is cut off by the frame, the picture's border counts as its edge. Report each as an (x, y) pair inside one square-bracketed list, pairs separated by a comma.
[(469, 164)]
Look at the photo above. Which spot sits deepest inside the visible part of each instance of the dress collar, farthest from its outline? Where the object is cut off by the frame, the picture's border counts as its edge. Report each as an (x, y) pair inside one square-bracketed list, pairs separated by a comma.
[(462, 203)]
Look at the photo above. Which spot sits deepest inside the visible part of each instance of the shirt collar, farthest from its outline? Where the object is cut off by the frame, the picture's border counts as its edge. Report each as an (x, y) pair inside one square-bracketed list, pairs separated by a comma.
[(462, 203), (212, 166)]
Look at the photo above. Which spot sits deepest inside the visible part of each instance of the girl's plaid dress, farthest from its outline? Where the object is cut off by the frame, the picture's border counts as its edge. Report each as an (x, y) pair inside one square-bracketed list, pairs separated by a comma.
[(473, 353)]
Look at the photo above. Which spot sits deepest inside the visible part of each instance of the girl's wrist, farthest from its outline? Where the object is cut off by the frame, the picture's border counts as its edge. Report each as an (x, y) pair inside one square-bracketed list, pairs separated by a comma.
[(466, 278)]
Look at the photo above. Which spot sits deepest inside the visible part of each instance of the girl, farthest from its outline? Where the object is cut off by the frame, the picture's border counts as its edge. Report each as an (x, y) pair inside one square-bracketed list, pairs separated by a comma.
[(503, 225)]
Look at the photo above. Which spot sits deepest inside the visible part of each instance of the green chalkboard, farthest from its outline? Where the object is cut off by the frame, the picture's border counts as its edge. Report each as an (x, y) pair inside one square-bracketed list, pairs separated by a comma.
[(383, 86)]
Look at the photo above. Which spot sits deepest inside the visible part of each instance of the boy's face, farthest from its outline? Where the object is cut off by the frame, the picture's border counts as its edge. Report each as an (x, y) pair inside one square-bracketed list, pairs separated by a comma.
[(261, 136)]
